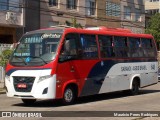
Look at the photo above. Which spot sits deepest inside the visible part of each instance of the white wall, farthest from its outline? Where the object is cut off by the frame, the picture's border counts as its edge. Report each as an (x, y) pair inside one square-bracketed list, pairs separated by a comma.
[(18, 14), (1, 74)]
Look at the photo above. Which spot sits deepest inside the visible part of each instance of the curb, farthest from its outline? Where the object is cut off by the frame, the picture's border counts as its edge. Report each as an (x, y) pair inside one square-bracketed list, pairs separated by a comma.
[(2, 91)]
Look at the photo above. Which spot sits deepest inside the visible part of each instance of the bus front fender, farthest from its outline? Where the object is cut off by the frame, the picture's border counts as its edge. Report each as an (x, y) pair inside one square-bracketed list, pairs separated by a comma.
[(63, 87), (69, 83)]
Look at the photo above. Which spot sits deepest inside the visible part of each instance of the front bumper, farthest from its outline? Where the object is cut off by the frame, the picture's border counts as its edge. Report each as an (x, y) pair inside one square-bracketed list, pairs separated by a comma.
[(45, 89)]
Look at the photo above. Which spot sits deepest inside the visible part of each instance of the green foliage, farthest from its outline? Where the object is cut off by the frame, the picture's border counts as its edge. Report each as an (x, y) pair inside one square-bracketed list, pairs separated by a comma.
[(154, 27), (5, 55), (74, 23)]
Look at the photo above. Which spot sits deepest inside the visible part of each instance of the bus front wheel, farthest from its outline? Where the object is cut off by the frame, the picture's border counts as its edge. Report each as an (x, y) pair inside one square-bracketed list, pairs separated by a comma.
[(29, 101), (68, 96)]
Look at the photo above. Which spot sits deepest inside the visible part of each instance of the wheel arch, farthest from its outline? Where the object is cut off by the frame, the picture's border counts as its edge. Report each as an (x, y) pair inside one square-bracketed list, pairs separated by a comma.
[(137, 78), (72, 84)]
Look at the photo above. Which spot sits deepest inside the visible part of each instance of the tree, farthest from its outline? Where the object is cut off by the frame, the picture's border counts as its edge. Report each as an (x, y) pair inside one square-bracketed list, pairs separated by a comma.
[(154, 27), (4, 57), (74, 23)]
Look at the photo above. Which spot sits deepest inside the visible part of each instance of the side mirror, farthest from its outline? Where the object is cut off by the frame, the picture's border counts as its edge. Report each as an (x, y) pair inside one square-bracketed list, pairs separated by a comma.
[(62, 58), (65, 57)]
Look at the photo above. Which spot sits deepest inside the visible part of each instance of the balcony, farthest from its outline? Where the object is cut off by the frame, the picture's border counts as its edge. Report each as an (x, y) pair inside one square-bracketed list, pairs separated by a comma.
[(12, 19)]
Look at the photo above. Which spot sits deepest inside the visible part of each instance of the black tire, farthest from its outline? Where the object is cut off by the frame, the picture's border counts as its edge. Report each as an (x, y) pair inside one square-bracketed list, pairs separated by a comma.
[(69, 96), (135, 88), (29, 101)]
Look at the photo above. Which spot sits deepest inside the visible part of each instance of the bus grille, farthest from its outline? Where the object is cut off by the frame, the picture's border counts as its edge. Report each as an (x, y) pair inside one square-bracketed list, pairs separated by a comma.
[(28, 81)]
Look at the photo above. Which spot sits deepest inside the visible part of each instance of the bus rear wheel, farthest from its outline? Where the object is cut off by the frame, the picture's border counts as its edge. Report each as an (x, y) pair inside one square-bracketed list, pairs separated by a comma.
[(29, 101), (69, 96), (135, 87)]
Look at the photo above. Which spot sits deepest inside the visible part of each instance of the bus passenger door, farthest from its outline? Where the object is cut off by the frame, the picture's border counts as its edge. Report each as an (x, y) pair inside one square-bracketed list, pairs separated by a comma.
[(66, 71)]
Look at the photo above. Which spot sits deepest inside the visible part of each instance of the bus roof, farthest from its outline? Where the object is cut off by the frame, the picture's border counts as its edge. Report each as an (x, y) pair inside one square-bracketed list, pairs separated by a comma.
[(93, 30)]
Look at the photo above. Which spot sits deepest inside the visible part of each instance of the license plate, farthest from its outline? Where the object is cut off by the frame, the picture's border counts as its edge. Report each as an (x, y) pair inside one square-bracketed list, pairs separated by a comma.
[(21, 85)]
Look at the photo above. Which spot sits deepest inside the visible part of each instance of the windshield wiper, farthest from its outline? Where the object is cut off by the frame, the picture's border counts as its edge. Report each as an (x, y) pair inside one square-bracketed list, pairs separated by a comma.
[(38, 57), (21, 59)]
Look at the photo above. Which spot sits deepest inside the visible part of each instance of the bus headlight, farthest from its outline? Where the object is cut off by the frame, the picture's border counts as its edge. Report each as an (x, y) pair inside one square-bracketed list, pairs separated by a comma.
[(44, 77), (7, 78)]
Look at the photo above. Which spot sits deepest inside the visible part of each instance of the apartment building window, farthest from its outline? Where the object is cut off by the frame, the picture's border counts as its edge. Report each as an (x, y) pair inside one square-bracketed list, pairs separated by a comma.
[(4, 4), (154, 0), (15, 6), (92, 7), (127, 13), (112, 9), (138, 15), (153, 11), (53, 2), (71, 4)]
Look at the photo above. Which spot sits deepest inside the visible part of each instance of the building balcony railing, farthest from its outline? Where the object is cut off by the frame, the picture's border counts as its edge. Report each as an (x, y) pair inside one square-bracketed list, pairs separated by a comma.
[(11, 18)]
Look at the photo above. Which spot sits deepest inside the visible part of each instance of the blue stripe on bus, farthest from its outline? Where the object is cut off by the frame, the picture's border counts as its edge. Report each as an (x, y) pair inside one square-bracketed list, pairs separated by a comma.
[(97, 75), (15, 69)]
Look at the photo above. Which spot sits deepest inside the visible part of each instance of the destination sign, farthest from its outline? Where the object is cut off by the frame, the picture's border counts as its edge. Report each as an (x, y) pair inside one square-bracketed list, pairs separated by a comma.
[(39, 39), (35, 39)]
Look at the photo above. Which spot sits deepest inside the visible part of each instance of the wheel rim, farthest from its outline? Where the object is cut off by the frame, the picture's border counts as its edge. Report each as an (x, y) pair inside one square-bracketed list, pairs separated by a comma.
[(68, 96)]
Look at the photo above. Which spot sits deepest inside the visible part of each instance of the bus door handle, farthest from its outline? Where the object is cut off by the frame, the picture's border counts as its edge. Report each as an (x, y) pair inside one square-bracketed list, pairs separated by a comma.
[(72, 69)]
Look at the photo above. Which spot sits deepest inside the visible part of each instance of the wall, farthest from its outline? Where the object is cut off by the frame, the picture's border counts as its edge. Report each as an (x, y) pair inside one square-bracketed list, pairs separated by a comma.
[(152, 5), (10, 19), (1, 74), (101, 19), (134, 26), (51, 13), (32, 15), (7, 35)]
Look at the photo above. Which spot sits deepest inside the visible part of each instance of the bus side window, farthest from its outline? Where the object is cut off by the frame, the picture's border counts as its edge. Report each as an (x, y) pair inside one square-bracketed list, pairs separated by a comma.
[(106, 46), (120, 45), (147, 46), (69, 48), (89, 47), (135, 47)]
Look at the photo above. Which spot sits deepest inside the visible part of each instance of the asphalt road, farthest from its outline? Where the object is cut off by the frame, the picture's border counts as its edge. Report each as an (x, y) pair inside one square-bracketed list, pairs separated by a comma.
[(147, 100)]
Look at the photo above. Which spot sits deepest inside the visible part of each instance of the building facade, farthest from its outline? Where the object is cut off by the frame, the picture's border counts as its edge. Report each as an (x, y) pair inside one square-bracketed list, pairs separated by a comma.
[(87, 12), (152, 6), (31, 19), (55, 12), (90, 13), (32, 15), (11, 18), (133, 15), (106, 13)]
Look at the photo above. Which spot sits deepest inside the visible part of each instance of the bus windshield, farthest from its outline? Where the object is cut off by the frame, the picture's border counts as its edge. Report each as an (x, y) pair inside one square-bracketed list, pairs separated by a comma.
[(35, 49)]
